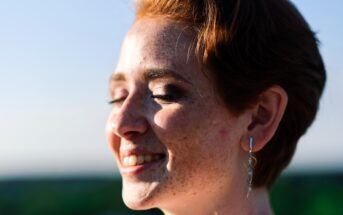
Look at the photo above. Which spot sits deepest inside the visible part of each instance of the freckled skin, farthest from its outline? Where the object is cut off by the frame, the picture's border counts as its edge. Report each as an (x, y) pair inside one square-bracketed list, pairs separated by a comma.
[(223, 133), (198, 134)]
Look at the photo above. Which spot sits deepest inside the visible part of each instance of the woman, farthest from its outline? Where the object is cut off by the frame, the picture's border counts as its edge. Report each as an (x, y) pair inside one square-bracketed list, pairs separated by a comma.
[(209, 100)]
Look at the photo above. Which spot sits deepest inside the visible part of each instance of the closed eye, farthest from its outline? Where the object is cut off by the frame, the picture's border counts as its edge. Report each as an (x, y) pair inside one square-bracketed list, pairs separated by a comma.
[(167, 97), (168, 93), (118, 96), (116, 101)]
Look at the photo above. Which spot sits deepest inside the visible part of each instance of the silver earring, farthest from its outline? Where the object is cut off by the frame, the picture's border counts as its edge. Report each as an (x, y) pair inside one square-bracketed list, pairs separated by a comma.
[(251, 163)]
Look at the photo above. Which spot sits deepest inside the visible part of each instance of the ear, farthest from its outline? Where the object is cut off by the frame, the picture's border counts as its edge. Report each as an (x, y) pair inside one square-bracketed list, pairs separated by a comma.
[(265, 117)]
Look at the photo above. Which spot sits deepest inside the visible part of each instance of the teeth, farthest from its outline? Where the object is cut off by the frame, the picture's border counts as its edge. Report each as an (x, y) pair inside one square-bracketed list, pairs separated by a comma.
[(156, 157), (126, 161), (133, 160), (140, 159), (147, 158)]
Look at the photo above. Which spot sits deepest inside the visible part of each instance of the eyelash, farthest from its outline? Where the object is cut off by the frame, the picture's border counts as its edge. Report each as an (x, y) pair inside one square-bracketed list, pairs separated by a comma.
[(115, 101), (173, 94), (167, 97)]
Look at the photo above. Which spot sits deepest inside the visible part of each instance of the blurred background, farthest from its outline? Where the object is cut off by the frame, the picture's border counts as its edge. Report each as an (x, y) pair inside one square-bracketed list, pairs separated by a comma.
[(55, 61)]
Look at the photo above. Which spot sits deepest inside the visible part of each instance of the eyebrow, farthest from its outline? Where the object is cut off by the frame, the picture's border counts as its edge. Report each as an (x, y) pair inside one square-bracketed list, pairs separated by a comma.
[(152, 74), (117, 77)]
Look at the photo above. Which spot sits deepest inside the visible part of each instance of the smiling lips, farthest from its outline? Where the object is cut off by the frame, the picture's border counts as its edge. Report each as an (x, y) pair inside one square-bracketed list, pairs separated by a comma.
[(135, 160)]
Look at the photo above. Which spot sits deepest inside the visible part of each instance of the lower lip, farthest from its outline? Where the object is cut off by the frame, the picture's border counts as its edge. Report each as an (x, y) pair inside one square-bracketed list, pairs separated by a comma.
[(136, 170)]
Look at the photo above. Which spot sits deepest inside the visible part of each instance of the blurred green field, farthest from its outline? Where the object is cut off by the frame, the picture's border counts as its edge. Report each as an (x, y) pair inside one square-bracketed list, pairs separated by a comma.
[(305, 194)]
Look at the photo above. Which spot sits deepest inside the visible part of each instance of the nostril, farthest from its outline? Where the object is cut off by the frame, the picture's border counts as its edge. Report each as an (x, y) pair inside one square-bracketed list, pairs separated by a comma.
[(131, 134)]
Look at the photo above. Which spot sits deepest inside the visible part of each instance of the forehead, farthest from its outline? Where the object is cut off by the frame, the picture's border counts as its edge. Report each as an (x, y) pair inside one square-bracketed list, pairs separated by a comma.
[(161, 31), (156, 43)]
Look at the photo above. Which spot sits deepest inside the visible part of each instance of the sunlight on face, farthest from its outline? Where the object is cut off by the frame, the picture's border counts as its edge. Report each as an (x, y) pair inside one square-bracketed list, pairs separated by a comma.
[(168, 130)]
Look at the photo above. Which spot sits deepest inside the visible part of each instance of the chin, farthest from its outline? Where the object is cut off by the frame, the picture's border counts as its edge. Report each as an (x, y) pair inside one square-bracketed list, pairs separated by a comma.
[(140, 195), (135, 204)]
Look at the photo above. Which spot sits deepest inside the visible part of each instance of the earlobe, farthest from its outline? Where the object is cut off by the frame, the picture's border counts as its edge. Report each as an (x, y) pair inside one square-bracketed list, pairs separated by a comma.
[(265, 117)]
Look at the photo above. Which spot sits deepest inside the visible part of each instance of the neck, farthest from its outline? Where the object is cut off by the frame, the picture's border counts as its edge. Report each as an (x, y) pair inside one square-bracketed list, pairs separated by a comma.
[(235, 204), (259, 202)]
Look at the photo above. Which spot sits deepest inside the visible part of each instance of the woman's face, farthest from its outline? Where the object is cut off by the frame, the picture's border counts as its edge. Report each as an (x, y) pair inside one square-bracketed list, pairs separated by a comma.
[(168, 129)]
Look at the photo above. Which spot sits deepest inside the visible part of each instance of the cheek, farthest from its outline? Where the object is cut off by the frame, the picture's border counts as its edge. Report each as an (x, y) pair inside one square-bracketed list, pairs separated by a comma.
[(177, 129), (199, 145), (223, 134), (191, 134), (169, 120), (182, 124)]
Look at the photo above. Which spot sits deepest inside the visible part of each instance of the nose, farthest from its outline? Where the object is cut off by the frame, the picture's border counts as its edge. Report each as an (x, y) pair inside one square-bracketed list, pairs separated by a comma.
[(129, 120)]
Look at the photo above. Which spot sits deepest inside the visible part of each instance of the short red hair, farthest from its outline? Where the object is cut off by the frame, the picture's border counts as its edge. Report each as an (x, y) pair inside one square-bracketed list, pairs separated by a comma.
[(249, 46)]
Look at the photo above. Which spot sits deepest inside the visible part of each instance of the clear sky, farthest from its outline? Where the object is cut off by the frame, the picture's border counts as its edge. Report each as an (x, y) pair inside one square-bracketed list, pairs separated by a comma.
[(55, 61)]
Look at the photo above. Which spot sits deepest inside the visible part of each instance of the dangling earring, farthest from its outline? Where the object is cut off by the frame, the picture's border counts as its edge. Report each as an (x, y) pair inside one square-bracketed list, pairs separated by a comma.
[(251, 163)]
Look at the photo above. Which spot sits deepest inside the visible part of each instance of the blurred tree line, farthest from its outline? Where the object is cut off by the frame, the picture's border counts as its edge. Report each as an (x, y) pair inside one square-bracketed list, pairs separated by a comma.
[(307, 194)]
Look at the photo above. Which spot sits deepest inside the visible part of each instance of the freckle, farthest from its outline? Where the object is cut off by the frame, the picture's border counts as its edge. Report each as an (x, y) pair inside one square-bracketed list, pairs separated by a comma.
[(223, 133)]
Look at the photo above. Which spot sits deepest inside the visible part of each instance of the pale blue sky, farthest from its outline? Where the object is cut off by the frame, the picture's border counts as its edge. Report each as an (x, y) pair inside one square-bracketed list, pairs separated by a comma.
[(55, 60)]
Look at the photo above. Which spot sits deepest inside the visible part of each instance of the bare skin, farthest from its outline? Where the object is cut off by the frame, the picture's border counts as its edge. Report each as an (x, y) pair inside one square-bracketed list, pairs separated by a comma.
[(166, 108)]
